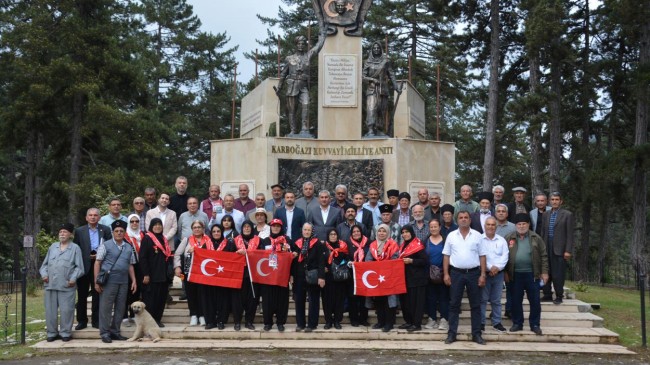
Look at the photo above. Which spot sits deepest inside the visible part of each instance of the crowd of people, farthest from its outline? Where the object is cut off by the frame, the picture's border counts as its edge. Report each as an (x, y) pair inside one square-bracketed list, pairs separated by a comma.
[(476, 246)]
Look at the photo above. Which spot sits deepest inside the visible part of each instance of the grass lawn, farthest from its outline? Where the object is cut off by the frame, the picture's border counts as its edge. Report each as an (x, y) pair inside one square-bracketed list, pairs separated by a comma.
[(35, 327)]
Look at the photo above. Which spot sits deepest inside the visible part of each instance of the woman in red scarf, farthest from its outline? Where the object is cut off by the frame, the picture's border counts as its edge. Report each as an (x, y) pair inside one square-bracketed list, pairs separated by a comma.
[(198, 239), (358, 246), (384, 248), (309, 254), (155, 256), (230, 298), (334, 291), (249, 292), (275, 299), (416, 271)]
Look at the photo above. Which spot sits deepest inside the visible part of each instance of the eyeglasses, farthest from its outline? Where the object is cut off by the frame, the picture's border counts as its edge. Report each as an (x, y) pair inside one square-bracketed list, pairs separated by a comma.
[(135, 221)]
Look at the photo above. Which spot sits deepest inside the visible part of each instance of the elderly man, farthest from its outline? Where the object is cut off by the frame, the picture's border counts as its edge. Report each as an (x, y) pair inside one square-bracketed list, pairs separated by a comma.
[(387, 218), (541, 206), (433, 210), (420, 226), (518, 205), (117, 257), (167, 216), (114, 213), (244, 203), (402, 215), (213, 203), (277, 192), (496, 257), (465, 203), (557, 231), (341, 200), (150, 199), (373, 205), (393, 198), (464, 266), (504, 229), (485, 211), (324, 216), (498, 192), (193, 213), (527, 269), (228, 209), (423, 198), (260, 202), (140, 211), (178, 201), (307, 200)]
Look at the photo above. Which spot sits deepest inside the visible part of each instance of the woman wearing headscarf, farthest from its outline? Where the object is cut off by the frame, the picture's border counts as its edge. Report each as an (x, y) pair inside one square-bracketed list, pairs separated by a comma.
[(230, 298), (134, 238), (309, 255), (211, 300), (198, 239), (416, 271), (155, 255), (358, 246), (250, 292), (437, 293), (334, 291), (229, 230), (275, 299), (384, 248)]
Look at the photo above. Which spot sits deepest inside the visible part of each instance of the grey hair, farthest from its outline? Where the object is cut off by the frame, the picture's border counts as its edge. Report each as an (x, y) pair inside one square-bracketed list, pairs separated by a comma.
[(341, 186), (324, 192), (498, 187)]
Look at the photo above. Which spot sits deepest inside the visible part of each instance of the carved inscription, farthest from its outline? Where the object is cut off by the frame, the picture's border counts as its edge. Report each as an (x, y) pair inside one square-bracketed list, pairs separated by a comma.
[(340, 76)]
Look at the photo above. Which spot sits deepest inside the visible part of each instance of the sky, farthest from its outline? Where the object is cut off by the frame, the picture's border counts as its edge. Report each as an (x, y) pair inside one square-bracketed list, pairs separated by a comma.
[(238, 19)]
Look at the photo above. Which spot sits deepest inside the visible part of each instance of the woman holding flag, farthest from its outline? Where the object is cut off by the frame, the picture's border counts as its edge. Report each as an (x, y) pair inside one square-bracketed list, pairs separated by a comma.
[(155, 255), (334, 291), (384, 248), (358, 247), (194, 291), (275, 299), (230, 298), (211, 302), (416, 265), (249, 293)]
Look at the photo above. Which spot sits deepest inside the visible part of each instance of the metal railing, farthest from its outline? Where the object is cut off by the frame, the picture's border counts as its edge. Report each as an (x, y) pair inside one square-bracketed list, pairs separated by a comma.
[(13, 308)]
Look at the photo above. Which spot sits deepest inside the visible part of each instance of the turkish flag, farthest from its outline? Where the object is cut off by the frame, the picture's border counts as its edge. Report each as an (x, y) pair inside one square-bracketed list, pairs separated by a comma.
[(217, 268), (262, 273), (379, 278)]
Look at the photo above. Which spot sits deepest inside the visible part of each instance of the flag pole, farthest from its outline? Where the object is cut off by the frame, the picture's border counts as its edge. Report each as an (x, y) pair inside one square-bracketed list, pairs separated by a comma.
[(250, 275)]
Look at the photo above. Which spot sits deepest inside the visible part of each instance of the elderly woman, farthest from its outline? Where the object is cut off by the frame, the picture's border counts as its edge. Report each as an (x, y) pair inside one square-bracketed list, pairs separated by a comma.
[(335, 290), (228, 224), (134, 238), (358, 246), (416, 271), (309, 259), (437, 293), (230, 298), (155, 255), (185, 249), (60, 270), (384, 248), (275, 299), (211, 295), (249, 241)]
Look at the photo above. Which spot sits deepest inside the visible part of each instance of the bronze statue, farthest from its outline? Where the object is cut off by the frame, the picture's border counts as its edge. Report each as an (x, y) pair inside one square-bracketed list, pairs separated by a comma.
[(378, 73), (349, 14), (295, 72)]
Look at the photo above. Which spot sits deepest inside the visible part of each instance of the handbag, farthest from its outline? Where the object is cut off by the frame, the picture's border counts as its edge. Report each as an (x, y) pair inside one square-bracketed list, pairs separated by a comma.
[(435, 274), (102, 276), (311, 276), (340, 272)]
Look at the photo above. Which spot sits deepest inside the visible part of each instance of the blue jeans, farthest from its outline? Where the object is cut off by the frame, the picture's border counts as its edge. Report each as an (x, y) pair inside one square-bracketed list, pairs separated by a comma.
[(461, 279), (492, 293), (524, 281), (437, 301)]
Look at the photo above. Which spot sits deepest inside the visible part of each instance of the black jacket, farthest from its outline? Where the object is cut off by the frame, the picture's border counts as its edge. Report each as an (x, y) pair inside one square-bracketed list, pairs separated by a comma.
[(316, 259)]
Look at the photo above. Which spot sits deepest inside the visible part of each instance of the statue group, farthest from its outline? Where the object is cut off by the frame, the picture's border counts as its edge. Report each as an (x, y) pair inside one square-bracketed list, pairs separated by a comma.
[(377, 72)]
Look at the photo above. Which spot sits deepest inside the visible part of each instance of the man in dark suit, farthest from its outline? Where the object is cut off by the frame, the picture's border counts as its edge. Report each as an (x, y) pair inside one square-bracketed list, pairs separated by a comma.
[(291, 216), (363, 215), (88, 237), (557, 231), (485, 211), (324, 216)]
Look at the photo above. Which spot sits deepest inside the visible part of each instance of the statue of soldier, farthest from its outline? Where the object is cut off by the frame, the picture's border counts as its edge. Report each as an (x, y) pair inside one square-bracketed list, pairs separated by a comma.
[(377, 72), (295, 72)]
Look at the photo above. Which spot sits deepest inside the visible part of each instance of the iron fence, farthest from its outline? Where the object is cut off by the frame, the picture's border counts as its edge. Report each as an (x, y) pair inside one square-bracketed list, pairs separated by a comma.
[(13, 307)]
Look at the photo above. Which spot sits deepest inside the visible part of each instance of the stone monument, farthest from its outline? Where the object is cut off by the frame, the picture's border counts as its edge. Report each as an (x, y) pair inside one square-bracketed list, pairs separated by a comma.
[(406, 161)]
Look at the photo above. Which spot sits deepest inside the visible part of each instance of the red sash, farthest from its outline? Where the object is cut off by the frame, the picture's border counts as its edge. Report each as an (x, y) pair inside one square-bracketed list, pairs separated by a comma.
[(343, 248), (166, 250), (390, 247), (206, 242), (414, 246), (222, 245), (359, 253), (299, 242), (253, 243), (280, 241), (134, 242)]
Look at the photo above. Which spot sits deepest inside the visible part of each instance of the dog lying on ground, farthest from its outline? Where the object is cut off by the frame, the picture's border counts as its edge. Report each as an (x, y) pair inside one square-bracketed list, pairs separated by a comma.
[(145, 324)]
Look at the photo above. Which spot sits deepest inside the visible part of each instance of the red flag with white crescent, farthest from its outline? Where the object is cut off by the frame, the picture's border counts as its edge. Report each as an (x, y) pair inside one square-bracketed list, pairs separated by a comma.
[(379, 278), (262, 273), (217, 268)]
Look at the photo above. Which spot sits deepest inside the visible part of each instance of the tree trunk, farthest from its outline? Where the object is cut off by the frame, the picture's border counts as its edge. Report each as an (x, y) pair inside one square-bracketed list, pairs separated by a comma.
[(638, 252), (604, 239), (493, 98), (555, 138), (35, 143), (78, 110), (535, 130)]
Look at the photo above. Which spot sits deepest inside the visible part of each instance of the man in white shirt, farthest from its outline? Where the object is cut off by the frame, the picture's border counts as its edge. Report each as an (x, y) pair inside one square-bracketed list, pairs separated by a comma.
[(496, 259), (228, 209), (167, 216), (323, 217)]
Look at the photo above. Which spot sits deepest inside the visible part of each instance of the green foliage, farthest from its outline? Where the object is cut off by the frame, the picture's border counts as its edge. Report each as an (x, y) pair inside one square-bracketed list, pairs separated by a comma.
[(580, 287)]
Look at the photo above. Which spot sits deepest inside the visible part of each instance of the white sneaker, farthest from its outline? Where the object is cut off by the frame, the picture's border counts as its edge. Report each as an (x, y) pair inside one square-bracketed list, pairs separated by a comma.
[(202, 320), (194, 321), (431, 324), (443, 325)]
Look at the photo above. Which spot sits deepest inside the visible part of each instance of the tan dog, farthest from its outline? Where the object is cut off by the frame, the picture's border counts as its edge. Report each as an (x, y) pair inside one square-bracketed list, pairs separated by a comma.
[(145, 324)]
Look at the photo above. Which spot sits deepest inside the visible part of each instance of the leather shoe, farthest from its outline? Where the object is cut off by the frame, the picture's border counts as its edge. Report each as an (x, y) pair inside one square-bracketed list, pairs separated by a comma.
[(537, 330), (365, 324), (387, 328), (249, 326), (414, 328), (66, 339), (161, 325), (404, 326), (377, 326), (80, 326), (309, 329), (327, 326), (210, 326), (106, 339), (354, 324), (221, 326), (450, 339), (300, 329), (267, 328), (118, 337), (337, 325), (237, 326), (281, 327), (557, 301), (478, 339), (52, 339), (516, 328)]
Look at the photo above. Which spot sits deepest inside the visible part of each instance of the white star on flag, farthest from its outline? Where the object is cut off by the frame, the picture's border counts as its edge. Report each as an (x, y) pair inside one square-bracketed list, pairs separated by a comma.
[(381, 278), (220, 268)]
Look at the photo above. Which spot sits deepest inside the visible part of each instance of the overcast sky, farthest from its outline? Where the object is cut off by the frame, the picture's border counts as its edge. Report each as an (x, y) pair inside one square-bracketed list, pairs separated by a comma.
[(238, 18)]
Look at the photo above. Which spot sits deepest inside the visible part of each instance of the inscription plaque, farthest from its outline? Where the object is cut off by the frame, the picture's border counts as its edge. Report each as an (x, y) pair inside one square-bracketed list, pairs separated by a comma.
[(340, 81)]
